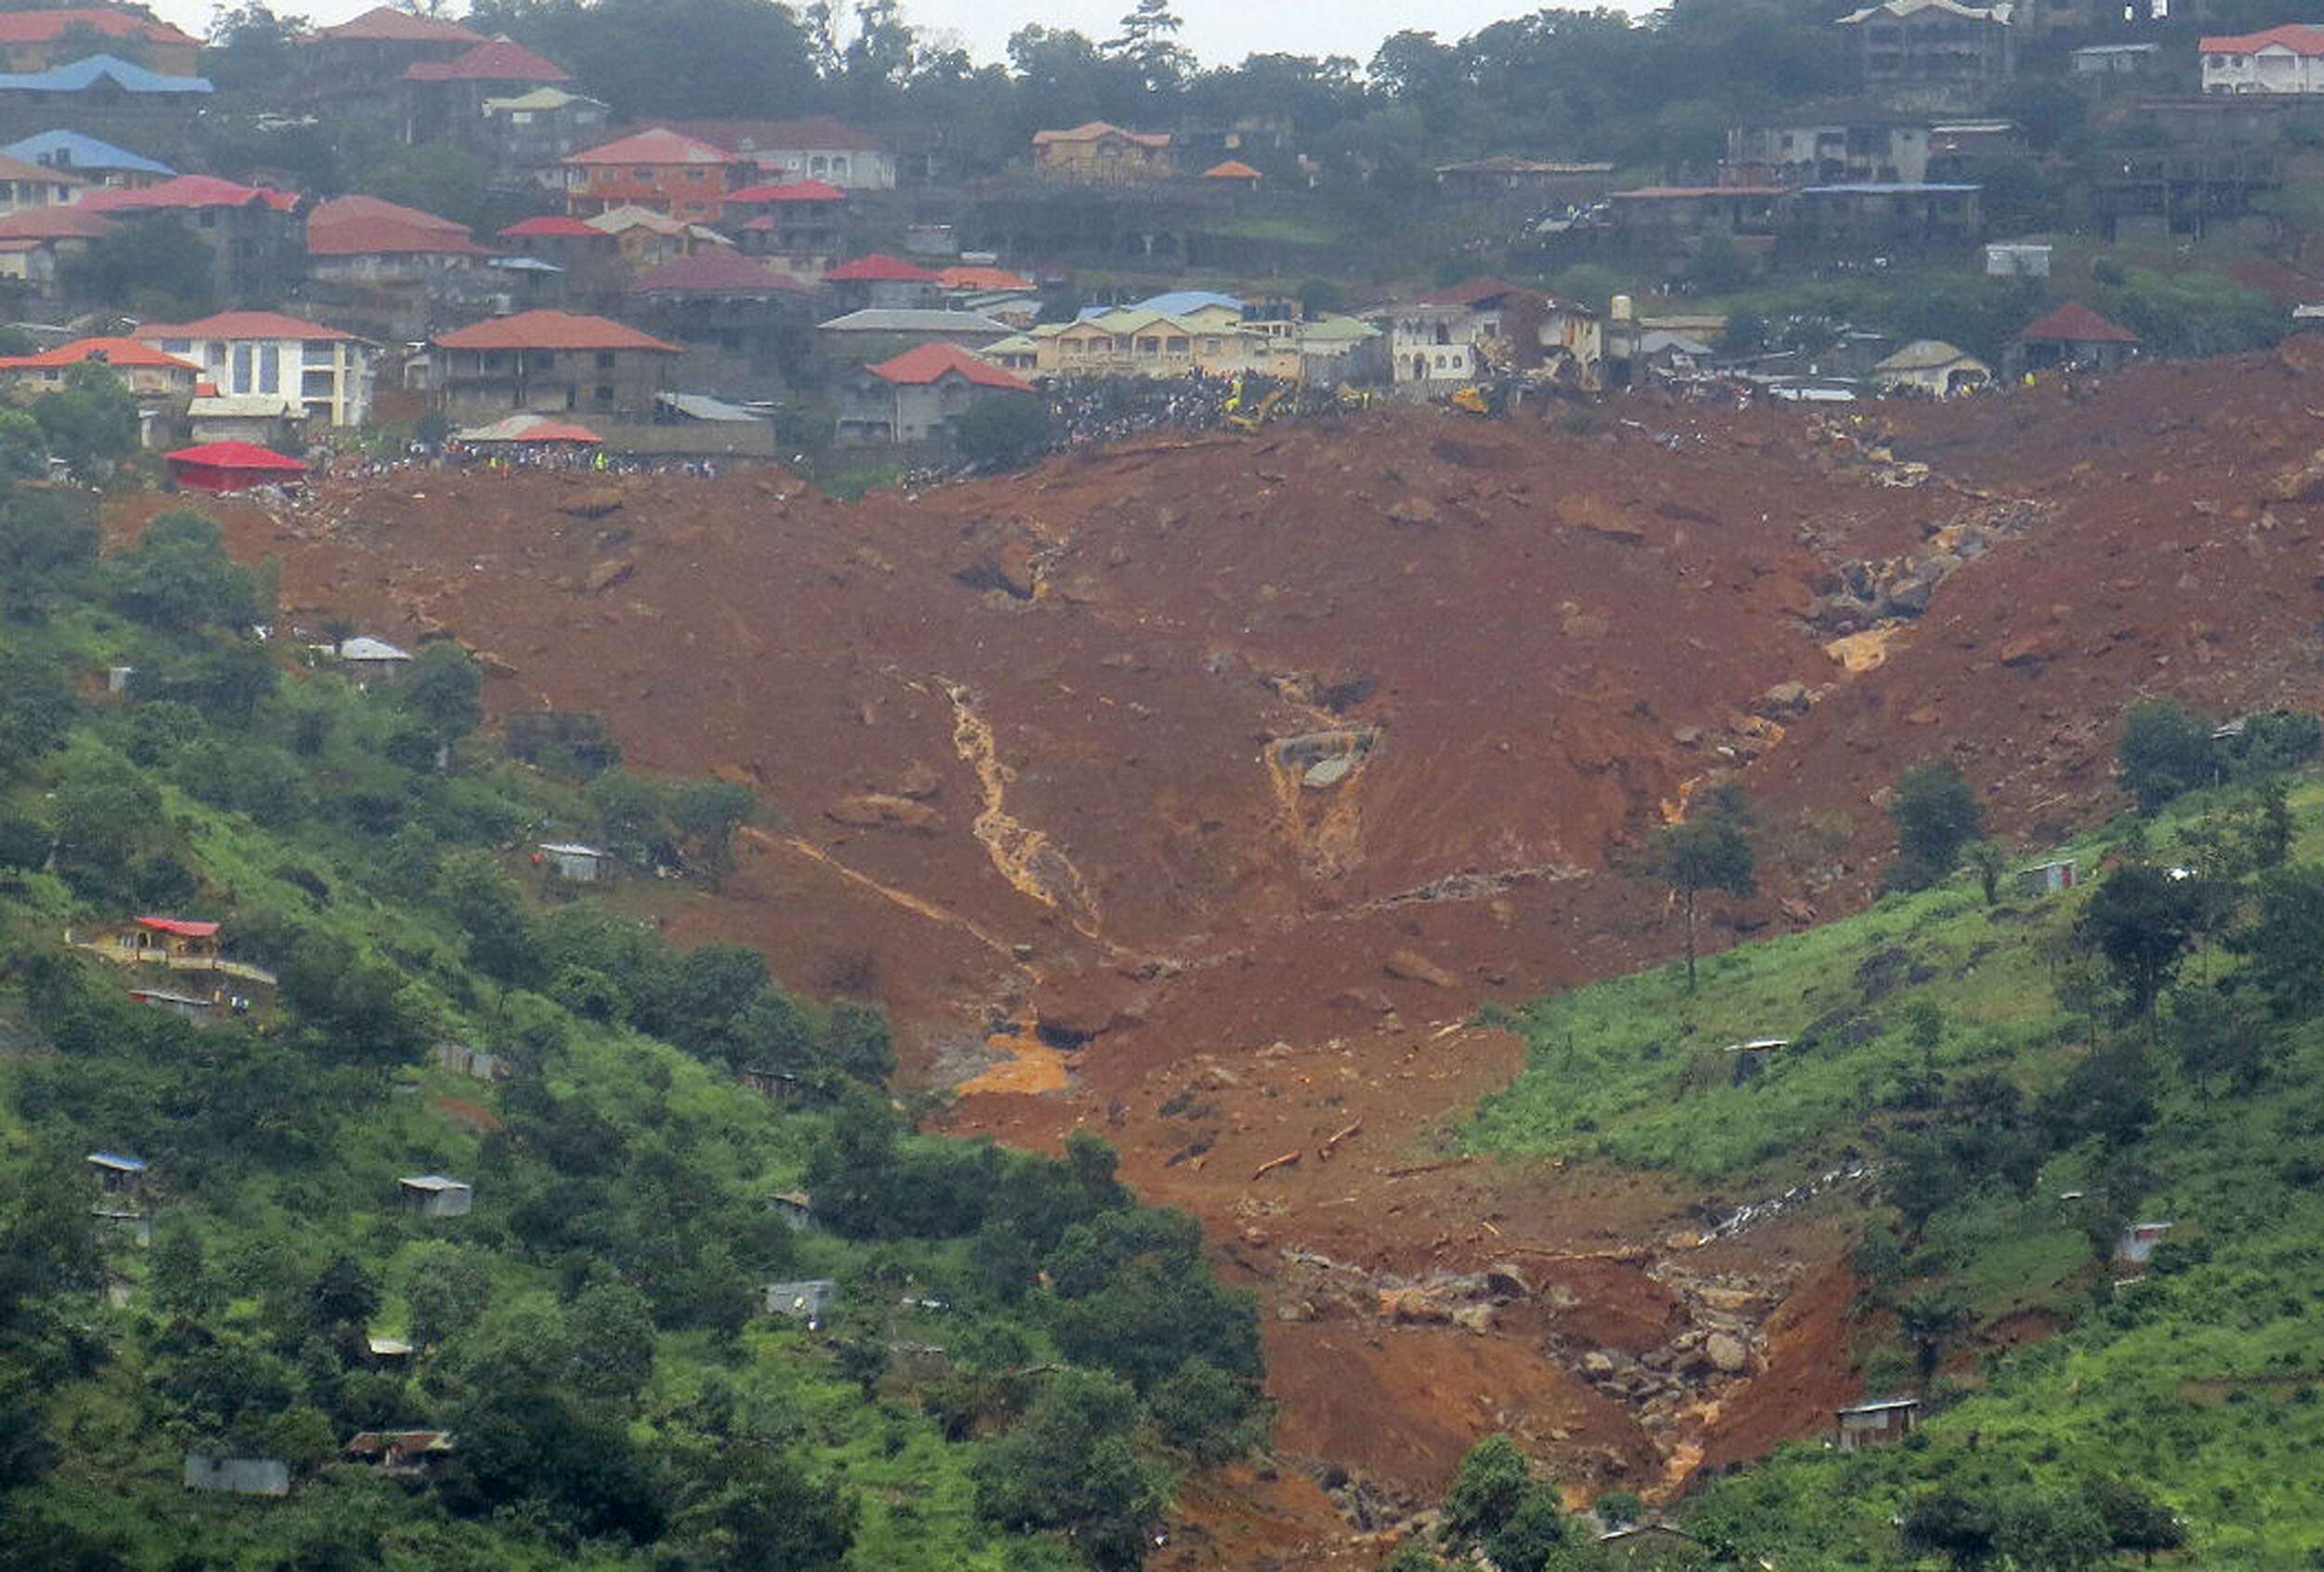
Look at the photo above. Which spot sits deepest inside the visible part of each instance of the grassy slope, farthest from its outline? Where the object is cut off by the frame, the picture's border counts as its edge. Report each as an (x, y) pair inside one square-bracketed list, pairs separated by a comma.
[(118, 1473), (2201, 1381)]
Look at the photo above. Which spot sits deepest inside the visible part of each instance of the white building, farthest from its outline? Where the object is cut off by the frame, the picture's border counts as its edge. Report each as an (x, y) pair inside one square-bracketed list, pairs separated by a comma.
[(2289, 59), (266, 354)]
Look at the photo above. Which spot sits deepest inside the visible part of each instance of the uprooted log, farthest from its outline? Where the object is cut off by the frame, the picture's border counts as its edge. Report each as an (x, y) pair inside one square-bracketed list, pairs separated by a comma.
[(1332, 1142), (1287, 1161)]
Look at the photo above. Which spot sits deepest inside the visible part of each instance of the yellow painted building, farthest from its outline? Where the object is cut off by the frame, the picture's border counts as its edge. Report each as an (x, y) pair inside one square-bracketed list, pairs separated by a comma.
[(1213, 340)]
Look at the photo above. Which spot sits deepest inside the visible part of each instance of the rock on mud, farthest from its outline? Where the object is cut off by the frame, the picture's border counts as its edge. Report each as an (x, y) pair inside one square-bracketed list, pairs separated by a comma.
[(1413, 967), (879, 810)]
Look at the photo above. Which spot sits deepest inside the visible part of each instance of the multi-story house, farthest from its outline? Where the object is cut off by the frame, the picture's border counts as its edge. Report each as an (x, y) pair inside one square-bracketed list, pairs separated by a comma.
[(549, 361), (269, 355), (658, 169)]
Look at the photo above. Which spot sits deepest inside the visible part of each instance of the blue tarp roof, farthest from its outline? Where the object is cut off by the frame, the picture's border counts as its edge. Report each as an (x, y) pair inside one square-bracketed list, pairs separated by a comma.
[(116, 1160), (1178, 302), (82, 75), (70, 150)]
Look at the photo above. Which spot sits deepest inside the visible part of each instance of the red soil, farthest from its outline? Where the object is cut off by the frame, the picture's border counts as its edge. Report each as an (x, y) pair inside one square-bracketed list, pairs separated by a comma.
[(1038, 717)]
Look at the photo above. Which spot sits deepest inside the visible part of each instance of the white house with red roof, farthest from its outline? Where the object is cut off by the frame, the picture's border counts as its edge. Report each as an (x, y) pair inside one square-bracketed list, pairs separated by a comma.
[(2289, 59), (267, 355), (918, 397), (550, 362)]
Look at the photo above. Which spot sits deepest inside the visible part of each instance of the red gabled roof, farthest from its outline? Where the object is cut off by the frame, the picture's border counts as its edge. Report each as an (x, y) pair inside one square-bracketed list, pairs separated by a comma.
[(366, 226), (246, 325), (1232, 170), (1474, 291), (183, 926), (2075, 323), (187, 191), (792, 190), (349, 210), (931, 361), (234, 455), (385, 24), (982, 278), (723, 271), (659, 146), (557, 224), (551, 330), (2301, 38), (500, 59), (878, 268), (46, 27), (73, 220), (113, 352)]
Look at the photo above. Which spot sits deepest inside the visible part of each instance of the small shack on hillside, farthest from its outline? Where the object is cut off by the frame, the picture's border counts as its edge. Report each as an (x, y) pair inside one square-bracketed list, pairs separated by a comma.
[(431, 1194), (2137, 1244), (405, 1453), (1877, 1422), (575, 862), (226, 467), (117, 1173), (2047, 878), (806, 1301)]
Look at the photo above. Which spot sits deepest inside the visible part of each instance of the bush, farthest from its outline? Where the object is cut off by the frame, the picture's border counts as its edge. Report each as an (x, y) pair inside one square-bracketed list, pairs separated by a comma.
[(1935, 814), (2165, 752), (1005, 431)]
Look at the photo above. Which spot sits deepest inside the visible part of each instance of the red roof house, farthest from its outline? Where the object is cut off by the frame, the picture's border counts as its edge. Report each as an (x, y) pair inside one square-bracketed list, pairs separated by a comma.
[(2074, 335), (994, 279), (881, 269), (554, 363), (918, 397), (2306, 39), (29, 39), (661, 169), (187, 192), (551, 331), (932, 363), (366, 227), (553, 226), (1234, 172), (228, 326), (494, 61), (184, 928), (231, 467), (767, 194)]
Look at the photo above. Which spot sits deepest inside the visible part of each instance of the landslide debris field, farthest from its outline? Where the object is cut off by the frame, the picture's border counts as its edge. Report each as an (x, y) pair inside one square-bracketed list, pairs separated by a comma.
[(1199, 790)]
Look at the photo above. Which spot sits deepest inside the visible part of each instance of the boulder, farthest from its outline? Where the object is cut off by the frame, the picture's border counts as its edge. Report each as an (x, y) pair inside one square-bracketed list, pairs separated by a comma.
[(1598, 517), (1327, 772), (1784, 699), (2027, 649), (594, 503), (603, 576), (1505, 1281), (877, 810), (1413, 967), (1727, 1354), (920, 782), (1412, 510)]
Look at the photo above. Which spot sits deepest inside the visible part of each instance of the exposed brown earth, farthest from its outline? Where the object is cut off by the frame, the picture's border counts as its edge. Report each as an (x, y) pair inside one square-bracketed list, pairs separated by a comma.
[(1225, 777)]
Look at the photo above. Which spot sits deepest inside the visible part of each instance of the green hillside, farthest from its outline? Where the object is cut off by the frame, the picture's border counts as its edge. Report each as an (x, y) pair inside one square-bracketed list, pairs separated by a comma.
[(1994, 1064), (1017, 1357)]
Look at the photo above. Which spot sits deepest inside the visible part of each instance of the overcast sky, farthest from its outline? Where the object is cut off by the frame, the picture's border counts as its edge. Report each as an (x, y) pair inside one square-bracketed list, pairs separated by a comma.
[(1219, 31)]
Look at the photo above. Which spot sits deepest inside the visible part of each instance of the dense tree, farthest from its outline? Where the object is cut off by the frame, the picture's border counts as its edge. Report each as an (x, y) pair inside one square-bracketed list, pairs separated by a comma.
[(2164, 752), (1003, 433), (1961, 1527), (1935, 814), (177, 577), (445, 690), (2142, 920), (2283, 942), (707, 814), (1532, 1533), (1493, 1483), (1069, 1464), (47, 546), (1710, 852), (758, 1511), (155, 266)]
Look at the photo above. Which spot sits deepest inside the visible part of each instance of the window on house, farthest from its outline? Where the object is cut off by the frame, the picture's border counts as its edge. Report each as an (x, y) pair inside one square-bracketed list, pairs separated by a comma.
[(270, 368), (240, 380), (698, 175), (646, 175), (603, 393), (206, 218), (839, 166), (605, 359)]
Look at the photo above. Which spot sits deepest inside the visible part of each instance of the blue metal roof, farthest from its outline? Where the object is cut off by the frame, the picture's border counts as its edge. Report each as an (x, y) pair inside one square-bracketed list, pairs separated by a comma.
[(70, 150), (82, 75), (1178, 302), (1892, 188), (115, 1160)]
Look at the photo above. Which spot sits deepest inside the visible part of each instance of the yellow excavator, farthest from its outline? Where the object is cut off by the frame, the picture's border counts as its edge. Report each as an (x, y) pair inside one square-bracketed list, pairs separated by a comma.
[(1250, 420)]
